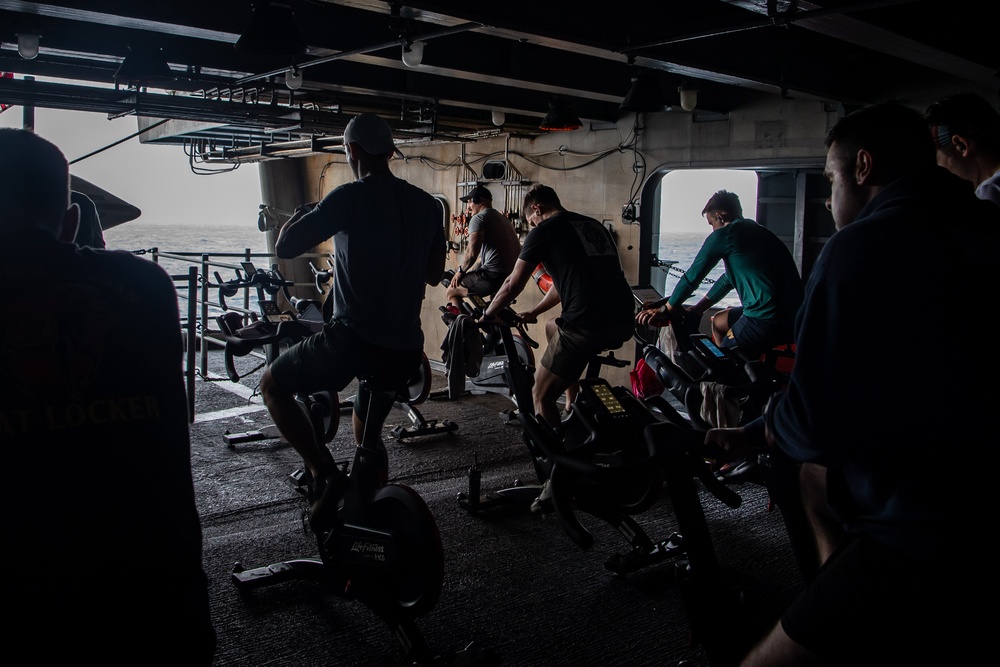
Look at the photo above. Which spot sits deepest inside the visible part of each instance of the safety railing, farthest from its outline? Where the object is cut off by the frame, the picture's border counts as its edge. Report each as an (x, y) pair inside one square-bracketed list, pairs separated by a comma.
[(199, 304), (187, 283)]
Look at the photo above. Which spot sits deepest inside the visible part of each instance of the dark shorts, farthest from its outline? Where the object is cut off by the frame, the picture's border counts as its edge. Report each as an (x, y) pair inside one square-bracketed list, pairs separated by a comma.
[(754, 336), (331, 359), (482, 283), (873, 601), (570, 349)]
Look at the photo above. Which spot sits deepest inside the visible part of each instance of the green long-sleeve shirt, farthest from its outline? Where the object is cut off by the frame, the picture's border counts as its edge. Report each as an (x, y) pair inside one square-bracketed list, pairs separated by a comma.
[(758, 266)]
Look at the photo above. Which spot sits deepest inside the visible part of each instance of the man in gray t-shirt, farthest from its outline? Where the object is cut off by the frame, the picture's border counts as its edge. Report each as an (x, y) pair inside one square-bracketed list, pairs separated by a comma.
[(493, 243)]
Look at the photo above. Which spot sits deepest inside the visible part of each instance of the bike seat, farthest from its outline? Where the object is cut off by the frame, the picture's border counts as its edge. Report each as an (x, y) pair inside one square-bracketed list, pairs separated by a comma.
[(256, 331)]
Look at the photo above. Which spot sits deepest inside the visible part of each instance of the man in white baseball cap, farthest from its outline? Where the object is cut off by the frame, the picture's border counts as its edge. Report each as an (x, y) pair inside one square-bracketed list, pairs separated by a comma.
[(389, 245), (372, 133)]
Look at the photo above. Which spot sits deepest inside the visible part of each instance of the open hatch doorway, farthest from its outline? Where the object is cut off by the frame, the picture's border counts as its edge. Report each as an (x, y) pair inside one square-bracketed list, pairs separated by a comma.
[(679, 228)]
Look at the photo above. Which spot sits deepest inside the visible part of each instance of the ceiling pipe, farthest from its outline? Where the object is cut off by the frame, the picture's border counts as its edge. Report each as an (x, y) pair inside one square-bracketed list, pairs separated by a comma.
[(780, 19), (465, 27)]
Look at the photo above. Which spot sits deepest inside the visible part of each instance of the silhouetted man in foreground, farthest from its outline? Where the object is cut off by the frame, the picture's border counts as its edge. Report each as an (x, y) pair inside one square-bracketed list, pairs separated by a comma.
[(888, 428), (101, 538)]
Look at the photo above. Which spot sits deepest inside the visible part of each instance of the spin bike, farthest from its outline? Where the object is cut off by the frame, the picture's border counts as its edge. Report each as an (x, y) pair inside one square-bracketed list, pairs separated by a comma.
[(501, 348), (750, 383), (596, 436), (273, 328), (489, 376), (745, 385), (617, 456), (382, 549), (418, 389)]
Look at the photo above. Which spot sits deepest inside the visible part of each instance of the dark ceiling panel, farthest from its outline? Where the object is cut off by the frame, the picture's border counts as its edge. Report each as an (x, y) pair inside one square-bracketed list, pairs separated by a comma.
[(514, 56)]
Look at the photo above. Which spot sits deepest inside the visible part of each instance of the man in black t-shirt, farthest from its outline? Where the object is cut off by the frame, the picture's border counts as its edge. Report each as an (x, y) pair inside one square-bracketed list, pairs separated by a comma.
[(598, 308), (101, 538)]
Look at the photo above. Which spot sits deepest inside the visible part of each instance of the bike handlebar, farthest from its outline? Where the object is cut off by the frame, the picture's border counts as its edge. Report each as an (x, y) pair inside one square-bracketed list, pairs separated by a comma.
[(321, 276), (269, 282), (510, 318)]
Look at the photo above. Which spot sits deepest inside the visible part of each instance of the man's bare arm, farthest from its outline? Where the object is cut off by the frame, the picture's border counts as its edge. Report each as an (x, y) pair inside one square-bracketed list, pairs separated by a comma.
[(511, 288), (472, 251)]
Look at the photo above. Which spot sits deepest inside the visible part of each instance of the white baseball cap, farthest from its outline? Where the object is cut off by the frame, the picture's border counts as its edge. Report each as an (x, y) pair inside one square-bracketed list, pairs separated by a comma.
[(371, 132)]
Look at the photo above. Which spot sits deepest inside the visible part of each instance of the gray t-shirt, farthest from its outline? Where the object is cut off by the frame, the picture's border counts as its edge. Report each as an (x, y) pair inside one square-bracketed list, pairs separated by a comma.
[(500, 243)]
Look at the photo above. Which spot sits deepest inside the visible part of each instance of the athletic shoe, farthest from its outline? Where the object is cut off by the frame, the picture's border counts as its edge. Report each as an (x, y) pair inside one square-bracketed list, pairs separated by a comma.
[(736, 470), (449, 313), (543, 503), (324, 501)]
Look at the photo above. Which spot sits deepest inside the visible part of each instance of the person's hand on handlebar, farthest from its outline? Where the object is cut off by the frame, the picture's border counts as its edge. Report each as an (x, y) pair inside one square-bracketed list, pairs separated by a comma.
[(527, 317), (486, 320), (653, 317), (301, 210)]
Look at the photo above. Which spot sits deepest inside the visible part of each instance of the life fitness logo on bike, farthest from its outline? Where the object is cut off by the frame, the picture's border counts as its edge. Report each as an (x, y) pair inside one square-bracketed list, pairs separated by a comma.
[(369, 550)]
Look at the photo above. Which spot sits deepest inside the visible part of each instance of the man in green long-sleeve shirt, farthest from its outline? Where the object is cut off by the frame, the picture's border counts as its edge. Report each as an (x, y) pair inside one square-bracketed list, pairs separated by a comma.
[(758, 266)]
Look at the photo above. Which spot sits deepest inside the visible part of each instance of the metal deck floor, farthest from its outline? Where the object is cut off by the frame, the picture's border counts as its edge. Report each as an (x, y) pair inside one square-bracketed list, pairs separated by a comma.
[(515, 584)]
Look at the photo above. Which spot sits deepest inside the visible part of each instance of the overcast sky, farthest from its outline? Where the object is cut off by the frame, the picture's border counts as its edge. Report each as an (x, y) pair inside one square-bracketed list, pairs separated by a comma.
[(159, 180), (685, 193)]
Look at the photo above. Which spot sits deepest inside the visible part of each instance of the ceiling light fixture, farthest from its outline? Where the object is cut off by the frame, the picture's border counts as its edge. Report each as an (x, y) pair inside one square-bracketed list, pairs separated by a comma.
[(689, 97), (27, 44), (560, 118), (646, 94), (293, 79), (271, 31), (413, 53), (498, 117), (143, 65)]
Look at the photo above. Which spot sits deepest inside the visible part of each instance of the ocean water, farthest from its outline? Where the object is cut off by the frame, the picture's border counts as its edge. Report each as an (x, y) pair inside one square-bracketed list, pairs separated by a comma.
[(233, 238), (197, 239), (682, 248), (182, 237)]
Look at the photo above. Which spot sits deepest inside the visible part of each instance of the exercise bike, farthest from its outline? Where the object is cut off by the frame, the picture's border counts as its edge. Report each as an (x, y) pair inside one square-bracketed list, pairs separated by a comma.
[(587, 471), (716, 386), (270, 331), (377, 544), (274, 328), (750, 384), (381, 548), (418, 389), (488, 375), (594, 434)]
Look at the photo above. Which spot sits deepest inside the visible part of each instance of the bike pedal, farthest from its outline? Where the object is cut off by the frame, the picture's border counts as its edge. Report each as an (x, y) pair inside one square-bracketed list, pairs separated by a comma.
[(300, 480)]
